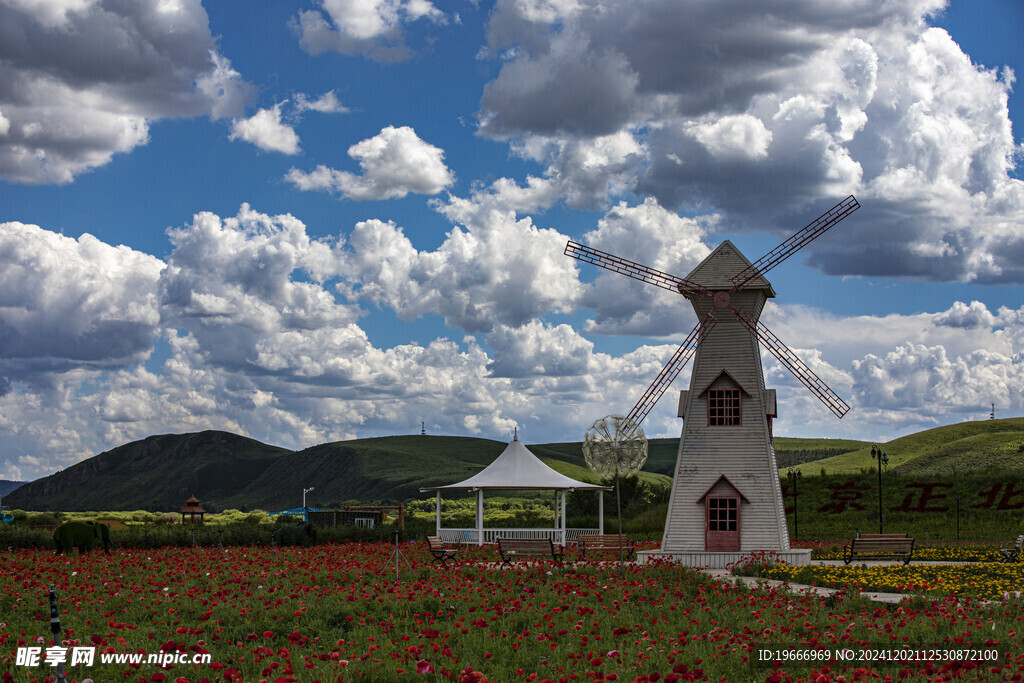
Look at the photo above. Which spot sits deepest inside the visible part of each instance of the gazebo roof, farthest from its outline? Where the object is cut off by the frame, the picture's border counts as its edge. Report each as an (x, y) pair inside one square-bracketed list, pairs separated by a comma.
[(517, 468)]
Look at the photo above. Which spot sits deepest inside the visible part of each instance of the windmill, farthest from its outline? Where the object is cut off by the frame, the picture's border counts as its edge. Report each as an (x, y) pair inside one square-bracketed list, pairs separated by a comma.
[(726, 496)]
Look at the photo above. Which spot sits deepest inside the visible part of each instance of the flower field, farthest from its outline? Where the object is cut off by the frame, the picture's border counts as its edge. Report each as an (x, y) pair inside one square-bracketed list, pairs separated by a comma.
[(981, 580), (336, 612)]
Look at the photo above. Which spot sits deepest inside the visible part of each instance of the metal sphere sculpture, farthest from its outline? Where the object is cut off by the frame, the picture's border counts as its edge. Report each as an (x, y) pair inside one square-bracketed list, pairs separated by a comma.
[(615, 446)]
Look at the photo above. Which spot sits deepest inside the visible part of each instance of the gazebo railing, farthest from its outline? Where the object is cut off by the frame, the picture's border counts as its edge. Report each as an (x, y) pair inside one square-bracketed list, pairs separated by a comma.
[(469, 536)]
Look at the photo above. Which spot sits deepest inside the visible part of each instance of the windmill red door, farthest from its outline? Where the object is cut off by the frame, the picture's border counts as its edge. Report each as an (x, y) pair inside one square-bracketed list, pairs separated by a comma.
[(722, 505), (722, 520)]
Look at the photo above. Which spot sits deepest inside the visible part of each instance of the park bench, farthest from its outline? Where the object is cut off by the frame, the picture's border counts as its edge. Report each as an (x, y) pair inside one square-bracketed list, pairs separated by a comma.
[(877, 536), (879, 547), (520, 548), (606, 542), (1012, 554), (441, 552)]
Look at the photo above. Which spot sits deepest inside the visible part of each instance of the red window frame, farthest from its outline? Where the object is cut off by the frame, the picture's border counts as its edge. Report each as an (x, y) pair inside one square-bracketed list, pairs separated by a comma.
[(725, 407), (723, 513)]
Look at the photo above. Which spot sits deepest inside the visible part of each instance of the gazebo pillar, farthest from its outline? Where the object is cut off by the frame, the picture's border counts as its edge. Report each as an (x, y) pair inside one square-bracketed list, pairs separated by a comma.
[(438, 533), (479, 516), (600, 512), (565, 494), (557, 525)]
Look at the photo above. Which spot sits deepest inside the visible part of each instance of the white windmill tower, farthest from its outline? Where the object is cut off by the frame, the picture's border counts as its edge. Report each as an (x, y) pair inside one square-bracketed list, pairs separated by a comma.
[(726, 501)]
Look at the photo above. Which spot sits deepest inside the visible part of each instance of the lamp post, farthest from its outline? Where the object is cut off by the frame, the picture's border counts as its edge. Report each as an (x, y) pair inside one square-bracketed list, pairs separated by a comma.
[(883, 459), (305, 510), (793, 477)]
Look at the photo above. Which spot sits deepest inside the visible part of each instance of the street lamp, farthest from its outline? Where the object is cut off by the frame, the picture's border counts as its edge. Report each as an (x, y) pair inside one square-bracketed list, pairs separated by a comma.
[(793, 477), (883, 459), (305, 510)]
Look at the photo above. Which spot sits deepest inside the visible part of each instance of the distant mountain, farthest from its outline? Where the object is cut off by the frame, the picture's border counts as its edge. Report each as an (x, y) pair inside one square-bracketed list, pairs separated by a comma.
[(6, 486), (157, 473)]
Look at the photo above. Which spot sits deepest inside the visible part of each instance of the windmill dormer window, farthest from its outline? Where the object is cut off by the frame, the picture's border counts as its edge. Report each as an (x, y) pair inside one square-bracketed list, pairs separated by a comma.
[(724, 407), (725, 400)]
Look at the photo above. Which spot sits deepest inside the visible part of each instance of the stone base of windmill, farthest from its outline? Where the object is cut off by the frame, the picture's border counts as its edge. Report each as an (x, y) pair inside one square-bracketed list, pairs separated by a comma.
[(705, 560)]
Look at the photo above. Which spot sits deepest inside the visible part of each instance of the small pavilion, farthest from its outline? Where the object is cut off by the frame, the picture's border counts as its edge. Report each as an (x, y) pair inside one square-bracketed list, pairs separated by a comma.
[(192, 510), (518, 469)]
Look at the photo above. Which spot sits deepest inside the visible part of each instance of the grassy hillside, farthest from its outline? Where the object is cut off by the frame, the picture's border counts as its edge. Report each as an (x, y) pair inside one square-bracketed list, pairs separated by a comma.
[(157, 473), (392, 469), (953, 449)]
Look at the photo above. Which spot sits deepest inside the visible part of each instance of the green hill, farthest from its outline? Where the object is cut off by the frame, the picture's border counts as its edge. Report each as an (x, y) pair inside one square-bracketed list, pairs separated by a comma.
[(393, 469), (157, 473), (229, 471), (968, 446)]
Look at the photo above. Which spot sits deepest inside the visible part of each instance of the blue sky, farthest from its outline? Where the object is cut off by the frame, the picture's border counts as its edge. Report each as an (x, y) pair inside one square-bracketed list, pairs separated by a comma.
[(322, 220)]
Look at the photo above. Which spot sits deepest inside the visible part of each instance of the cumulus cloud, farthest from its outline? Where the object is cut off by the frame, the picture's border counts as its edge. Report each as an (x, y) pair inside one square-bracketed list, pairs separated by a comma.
[(495, 269), (119, 67), (328, 103), (375, 28), (72, 303), (394, 163), (766, 117), (266, 130), (653, 236), (927, 381), (538, 349), (231, 283)]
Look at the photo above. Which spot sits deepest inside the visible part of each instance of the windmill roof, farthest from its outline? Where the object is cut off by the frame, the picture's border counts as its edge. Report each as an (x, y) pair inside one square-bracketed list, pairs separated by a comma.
[(721, 265), (517, 468)]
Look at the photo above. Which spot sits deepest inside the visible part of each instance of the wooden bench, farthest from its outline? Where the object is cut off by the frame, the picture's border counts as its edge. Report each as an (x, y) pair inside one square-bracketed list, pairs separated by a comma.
[(525, 548), (441, 552), (888, 547), (879, 536), (606, 542), (1012, 554)]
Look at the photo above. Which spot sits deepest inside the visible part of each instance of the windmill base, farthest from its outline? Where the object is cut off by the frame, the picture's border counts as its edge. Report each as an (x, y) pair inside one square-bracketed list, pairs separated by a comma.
[(705, 560)]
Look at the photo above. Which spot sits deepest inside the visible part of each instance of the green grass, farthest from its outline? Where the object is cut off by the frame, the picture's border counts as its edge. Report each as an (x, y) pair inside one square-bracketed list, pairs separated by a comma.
[(953, 449)]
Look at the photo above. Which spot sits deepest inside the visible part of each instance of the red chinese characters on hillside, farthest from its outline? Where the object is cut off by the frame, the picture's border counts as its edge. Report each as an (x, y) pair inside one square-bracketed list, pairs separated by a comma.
[(919, 497)]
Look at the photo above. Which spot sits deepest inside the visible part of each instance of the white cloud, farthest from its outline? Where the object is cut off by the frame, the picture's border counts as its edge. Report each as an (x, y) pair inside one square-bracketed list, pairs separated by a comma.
[(650, 235), (497, 270), (734, 136), (537, 349), (265, 130), (796, 109), (118, 69), (67, 303), (925, 381), (371, 27), (394, 163), (328, 103)]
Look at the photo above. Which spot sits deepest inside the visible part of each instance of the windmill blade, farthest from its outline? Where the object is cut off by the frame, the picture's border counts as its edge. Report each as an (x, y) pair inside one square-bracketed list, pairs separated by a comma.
[(785, 355), (671, 370), (796, 242), (637, 271)]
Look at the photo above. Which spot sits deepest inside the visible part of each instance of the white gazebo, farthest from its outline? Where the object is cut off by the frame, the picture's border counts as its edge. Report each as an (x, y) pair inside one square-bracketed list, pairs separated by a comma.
[(518, 468)]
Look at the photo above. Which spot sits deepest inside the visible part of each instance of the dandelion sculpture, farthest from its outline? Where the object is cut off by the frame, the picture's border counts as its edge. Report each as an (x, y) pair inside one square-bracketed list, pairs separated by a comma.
[(614, 447)]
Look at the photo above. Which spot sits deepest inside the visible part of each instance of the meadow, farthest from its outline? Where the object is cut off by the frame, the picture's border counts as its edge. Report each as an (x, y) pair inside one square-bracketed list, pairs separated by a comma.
[(338, 612)]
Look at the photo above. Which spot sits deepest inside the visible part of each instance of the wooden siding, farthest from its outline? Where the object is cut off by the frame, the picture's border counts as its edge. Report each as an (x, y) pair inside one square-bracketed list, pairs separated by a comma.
[(744, 453)]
